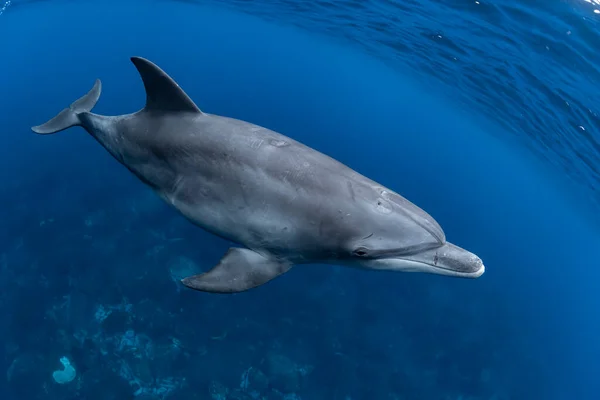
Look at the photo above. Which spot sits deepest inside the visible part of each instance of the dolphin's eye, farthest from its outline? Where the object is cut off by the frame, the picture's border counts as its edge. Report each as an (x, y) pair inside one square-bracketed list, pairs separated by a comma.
[(360, 252)]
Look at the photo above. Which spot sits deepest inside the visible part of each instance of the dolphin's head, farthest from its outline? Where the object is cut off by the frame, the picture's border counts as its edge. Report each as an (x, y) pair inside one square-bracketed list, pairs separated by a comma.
[(396, 235)]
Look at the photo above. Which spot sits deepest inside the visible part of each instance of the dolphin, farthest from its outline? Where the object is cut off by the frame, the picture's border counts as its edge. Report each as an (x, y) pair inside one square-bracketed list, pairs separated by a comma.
[(283, 202)]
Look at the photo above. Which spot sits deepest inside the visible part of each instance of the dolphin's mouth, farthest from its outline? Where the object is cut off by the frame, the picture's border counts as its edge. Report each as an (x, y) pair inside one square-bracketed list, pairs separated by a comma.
[(447, 259)]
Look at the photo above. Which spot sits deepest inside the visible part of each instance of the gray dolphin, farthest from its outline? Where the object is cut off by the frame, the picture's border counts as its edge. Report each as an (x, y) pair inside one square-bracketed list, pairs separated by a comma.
[(284, 202)]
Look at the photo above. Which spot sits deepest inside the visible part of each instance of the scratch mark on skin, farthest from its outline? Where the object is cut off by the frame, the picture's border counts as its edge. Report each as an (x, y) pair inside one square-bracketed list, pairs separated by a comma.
[(175, 189), (256, 143), (278, 143), (351, 190)]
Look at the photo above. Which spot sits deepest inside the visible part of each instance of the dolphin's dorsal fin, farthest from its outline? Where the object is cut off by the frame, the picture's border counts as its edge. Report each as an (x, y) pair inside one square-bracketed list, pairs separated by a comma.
[(163, 94)]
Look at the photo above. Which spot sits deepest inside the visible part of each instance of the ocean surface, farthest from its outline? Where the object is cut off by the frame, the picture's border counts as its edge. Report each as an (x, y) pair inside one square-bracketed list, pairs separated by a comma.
[(485, 114)]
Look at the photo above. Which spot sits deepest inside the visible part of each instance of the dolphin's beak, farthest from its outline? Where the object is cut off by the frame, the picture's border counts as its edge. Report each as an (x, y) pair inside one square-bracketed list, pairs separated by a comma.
[(447, 259)]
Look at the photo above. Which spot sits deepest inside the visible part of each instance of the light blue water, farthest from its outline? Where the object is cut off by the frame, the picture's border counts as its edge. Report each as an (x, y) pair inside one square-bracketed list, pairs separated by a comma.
[(80, 235)]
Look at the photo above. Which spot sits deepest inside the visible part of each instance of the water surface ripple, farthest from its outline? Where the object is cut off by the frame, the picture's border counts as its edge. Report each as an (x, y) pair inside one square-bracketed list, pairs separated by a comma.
[(530, 66)]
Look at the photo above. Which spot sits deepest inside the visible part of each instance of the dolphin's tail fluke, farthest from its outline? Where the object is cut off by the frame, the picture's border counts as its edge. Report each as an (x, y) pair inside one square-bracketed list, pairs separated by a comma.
[(69, 117)]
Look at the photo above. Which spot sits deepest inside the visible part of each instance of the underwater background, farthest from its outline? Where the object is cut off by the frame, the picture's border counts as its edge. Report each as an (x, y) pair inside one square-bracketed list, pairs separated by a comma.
[(483, 113)]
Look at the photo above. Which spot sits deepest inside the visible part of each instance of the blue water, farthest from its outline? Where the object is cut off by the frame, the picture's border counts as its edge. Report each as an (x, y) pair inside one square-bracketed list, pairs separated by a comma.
[(485, 143)]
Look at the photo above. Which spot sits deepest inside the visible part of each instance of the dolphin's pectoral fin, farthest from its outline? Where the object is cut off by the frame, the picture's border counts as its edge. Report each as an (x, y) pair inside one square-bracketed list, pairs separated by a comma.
[(238, 271)]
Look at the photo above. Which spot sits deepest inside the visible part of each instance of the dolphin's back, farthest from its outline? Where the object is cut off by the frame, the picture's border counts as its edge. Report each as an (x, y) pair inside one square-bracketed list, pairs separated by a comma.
[(236, 179), (240, 180)]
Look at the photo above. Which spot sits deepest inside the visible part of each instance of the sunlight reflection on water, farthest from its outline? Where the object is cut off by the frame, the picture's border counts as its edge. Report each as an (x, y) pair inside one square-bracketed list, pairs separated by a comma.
[(596, 3), (5, 6)]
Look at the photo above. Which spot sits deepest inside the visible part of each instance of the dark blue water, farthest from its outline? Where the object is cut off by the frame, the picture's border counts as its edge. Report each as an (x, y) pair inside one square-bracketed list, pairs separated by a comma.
[(529, 66), (499, 145)]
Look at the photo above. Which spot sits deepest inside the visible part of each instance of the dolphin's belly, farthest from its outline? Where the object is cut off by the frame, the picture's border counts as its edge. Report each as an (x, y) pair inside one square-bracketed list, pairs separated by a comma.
[(272, 216)]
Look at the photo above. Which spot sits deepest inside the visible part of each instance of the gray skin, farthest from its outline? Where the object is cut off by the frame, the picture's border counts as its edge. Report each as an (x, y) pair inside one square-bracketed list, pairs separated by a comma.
[(284, 202)]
